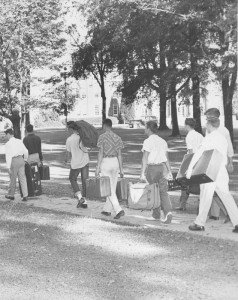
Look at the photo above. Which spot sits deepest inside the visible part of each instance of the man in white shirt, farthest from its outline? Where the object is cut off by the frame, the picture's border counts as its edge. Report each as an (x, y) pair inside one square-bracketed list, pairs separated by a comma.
[(214, 140), (15, 151), (78, 154), (156, 168), (193, 141), (217, 205)]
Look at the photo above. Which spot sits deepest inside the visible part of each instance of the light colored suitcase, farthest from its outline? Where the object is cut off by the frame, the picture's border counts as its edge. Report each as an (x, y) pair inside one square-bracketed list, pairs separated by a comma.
[(144, 196), (98, 187), (205, 170)]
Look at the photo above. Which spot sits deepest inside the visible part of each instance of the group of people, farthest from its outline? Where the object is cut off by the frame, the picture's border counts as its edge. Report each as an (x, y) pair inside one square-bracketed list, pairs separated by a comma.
[(155, 167)]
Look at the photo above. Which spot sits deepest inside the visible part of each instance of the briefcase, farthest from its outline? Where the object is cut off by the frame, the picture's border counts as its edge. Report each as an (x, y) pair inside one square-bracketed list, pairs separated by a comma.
[(122, 189), (205, 170), (33, 180), (174, 185), (44, 172), (98, 187)]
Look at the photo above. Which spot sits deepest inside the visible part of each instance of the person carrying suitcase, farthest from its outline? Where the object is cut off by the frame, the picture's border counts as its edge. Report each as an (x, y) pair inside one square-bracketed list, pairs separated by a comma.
[(33, 145), (156, 168), (16, 153)]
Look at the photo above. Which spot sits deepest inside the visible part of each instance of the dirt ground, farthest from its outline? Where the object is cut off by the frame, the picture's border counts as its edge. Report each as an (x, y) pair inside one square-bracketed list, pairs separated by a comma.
[(57, 255)]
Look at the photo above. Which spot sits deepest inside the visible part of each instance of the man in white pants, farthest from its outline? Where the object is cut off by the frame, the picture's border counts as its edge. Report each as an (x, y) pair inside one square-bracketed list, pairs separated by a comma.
[(110, 164), (214, 140)]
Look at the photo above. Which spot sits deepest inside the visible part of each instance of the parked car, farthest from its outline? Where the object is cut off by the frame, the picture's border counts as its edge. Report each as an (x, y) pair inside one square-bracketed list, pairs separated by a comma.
[(149, 118)]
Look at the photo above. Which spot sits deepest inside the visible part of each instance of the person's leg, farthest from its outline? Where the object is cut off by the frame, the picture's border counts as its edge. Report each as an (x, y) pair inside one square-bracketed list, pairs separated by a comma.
[(110, 168), (183, 200), (22, 178), (13, 178), (73, 176), (84, 177), (206, 195), (150, 177)]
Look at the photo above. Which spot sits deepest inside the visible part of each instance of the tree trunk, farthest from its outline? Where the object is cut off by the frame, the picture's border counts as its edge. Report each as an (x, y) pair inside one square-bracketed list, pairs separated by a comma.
[(163, 102), (28, 118), (174, 116), (16, 122), (103, 95), (227, 105), (196, 102)]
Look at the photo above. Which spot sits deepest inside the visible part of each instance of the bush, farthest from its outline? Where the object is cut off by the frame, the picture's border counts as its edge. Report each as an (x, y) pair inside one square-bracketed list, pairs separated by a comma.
[(47, 118)]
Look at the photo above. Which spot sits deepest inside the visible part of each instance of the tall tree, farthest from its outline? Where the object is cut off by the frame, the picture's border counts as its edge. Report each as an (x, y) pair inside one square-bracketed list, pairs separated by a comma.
[(30, 37)]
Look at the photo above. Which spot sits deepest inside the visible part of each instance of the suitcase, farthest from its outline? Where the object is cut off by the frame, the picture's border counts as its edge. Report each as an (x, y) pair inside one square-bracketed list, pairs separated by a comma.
[(174, 185), (205, 170), (44, 172), (122, 189), (33, 180), (98, 187), (144, 196)]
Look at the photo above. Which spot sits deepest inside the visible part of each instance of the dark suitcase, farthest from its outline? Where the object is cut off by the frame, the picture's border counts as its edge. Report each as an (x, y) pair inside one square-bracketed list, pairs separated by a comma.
[(205, 170), (174, 185), (33, 180), (98, 187), (44, 172), (122, 189)]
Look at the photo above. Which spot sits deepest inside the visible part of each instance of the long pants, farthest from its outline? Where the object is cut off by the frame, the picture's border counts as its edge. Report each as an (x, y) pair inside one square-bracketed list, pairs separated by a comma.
[(155, 174), (216, 207), (183, 198), (18, 171), (73, 177), (221, 187), (110, 168), (33, 158)]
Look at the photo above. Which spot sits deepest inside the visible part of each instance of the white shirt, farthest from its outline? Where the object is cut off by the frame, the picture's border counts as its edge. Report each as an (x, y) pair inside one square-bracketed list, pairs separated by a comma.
[(15, 147), (193, 140), (213, 140), (79, 154), (157, 148)]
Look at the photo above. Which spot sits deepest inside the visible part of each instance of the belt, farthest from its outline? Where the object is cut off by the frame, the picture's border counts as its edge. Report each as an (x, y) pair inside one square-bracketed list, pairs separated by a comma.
[(109, 156)]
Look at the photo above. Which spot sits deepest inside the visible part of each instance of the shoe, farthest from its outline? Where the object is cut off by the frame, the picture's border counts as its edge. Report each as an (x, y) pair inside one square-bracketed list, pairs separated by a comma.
[(196, 227), (235, 230), (82, 203), (120, 214), (24, 199), (168, 218), (9, 197), (213, 218), (180, 208), (227, 220), (105, 213)]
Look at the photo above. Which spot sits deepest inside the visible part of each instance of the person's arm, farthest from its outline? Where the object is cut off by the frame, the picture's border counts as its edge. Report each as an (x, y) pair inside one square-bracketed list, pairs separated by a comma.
[(144, 163), (120, 162), (67, 156), (100, 157), (40, 151), (25, 152), (189, 151), (167, 164), (8, 158)]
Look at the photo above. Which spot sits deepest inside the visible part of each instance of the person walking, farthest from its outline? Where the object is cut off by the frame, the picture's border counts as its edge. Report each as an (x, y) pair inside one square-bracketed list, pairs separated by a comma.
[(214, 140), (156, 168), (16, 153), (33, 144), (79, 162), (217, 204), (193, 141), (110, 164)]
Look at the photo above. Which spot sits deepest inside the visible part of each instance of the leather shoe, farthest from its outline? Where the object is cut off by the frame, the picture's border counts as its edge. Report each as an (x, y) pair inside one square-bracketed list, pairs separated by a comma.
[(120, 214), (9, 197), (180, 208), (105, 213), (235, 230), (196, 227), (24, 199), (213, 218)]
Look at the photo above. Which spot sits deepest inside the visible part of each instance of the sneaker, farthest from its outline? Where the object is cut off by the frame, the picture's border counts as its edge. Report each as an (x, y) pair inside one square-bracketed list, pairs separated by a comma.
[(105, 213), (213, 218), (168, 218), (9, 197), (24, 199), (82, 203), (180, 208)]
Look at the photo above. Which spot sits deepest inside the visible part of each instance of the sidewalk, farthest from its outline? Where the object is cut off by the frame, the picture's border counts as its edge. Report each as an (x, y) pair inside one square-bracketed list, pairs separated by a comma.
[(180, 222)]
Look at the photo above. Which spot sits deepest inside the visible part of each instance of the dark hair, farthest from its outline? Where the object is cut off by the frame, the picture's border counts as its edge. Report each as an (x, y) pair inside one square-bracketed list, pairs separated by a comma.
[(190, 122), (9, 131), (212, 113), (152, 125), (72, 125), (107, 122), (29, 128), (215, 122)]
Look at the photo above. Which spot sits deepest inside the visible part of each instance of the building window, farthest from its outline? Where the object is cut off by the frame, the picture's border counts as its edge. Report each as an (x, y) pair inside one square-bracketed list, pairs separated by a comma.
[(115, 109), (96, 110)]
